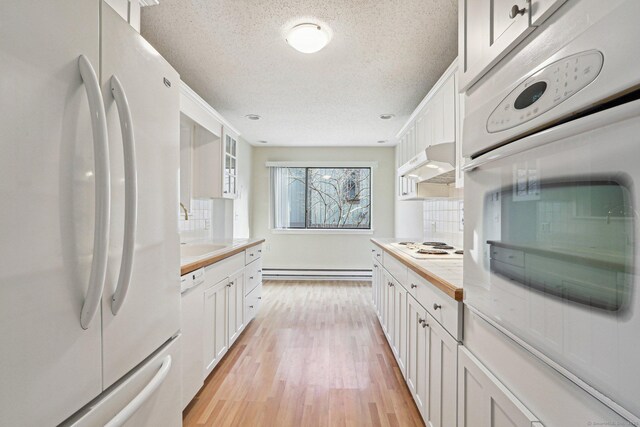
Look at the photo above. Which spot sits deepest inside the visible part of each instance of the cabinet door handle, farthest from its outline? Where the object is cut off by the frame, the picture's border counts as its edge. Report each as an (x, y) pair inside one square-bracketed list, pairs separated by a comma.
[(259, 271), (250, 277), (259, 297), (425, 324), (420, 321), (515, 11), (413, 286), (250, 306), (436, 306)]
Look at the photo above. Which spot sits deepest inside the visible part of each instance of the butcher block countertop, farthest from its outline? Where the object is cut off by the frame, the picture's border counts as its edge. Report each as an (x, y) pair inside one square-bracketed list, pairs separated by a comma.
[(444, 274), (230, 248)]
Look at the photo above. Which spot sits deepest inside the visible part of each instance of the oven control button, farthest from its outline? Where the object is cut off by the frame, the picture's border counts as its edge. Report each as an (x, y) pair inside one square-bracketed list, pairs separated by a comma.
[(544, 89)]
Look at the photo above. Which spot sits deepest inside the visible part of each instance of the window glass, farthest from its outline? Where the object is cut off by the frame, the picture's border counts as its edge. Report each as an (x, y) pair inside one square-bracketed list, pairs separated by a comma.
[(321, 198)]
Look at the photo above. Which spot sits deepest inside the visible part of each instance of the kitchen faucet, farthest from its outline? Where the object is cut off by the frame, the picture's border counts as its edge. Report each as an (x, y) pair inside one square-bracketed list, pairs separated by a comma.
[(186, 214)]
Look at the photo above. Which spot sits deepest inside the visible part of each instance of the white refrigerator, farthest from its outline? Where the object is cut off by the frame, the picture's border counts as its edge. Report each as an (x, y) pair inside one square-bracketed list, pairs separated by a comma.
[(89, 253)]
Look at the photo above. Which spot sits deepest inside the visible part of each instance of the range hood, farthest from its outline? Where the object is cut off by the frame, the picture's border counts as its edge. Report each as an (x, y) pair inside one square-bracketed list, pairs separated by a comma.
[(436, 164)]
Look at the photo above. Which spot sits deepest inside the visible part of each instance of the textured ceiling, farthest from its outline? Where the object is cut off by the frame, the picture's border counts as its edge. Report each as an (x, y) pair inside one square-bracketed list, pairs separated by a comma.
[(384, 57)]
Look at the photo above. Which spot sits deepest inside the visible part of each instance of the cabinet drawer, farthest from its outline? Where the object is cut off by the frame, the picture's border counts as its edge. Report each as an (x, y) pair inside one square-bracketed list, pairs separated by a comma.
[(397, 269), (252, 302), (376, 253), (253, 253), (254, 276), (444, 309)]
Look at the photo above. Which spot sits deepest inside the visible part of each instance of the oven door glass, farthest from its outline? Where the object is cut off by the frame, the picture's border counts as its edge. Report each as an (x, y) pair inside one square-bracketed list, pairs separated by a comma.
[(550, 254)]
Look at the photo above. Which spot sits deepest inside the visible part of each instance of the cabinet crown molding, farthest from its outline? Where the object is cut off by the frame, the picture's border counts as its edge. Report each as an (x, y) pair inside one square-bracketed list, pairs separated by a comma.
[(190, 94)]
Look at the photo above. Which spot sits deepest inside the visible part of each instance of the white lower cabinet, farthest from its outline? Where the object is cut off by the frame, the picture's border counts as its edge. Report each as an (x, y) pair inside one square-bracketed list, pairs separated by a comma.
[(425, 349), (214, 318), (443, 366), (483, 401), (236, 306), (417, 354), (252, 303), (400, 325)]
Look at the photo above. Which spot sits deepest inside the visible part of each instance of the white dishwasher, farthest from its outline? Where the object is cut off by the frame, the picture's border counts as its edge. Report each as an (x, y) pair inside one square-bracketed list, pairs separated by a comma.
[(192, 307)]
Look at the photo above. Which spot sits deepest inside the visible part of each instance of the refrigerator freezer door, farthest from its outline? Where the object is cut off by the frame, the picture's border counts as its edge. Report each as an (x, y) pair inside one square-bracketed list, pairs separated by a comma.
[(150, 311), (49, 366), (147, 397)]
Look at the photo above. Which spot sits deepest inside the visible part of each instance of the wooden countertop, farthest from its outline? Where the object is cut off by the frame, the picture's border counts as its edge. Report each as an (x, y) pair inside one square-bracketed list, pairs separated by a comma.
[(193, 263), (418, 267)]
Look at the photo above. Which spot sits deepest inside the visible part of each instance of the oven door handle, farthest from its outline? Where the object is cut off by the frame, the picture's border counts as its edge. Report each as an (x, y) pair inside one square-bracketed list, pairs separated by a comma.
[(584, 124)]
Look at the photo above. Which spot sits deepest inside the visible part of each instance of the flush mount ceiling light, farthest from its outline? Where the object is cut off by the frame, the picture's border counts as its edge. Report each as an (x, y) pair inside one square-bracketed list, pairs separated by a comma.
[(307, 38), (387, 116), (253, 117)]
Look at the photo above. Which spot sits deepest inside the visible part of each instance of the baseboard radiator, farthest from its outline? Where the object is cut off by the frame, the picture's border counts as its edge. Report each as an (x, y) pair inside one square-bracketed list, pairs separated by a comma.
[(308, 274)]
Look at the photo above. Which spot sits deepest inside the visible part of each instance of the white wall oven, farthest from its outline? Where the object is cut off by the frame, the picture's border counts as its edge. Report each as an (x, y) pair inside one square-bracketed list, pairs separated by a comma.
[(552, 198)]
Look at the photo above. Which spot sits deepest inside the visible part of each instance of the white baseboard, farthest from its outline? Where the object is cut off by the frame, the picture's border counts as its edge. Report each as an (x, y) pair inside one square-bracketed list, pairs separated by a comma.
[(308, 274)]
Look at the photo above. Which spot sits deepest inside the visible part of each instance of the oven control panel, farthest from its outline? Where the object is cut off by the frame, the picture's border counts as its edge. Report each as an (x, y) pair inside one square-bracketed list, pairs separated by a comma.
[(545, 89)]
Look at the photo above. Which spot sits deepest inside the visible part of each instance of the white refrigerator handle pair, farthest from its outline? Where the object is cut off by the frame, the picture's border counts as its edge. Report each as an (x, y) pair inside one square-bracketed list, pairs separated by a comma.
[(103, 193)]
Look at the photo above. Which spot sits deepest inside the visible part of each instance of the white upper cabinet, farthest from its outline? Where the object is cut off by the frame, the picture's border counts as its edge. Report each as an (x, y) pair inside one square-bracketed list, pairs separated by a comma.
[(230, 165), (208, 150), (489, 29), (435, 121), (129, 10)]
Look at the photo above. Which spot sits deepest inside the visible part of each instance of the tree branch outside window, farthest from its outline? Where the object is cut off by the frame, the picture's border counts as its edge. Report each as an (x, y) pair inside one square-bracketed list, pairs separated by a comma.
[(327, 198)]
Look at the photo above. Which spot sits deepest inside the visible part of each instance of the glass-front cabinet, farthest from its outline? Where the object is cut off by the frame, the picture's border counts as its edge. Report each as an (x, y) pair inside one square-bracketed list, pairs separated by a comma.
[(230, 167)]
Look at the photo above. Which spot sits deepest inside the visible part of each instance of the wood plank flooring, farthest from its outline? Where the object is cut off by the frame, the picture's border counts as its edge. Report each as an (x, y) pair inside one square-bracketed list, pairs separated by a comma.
[(314, 356)]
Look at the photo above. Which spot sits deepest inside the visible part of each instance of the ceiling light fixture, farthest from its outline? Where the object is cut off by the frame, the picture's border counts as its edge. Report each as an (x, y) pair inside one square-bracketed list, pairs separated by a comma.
[(253, 117), (307, 38), (387, 116)]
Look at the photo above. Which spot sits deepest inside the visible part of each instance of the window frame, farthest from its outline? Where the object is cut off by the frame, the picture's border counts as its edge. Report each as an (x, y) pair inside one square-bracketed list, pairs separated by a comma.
[(322, 230)]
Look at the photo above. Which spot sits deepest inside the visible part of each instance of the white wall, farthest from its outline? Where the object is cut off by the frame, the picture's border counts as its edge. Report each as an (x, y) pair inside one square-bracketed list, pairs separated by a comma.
[(408, 213), (242, 205), (322, 251), (443, 221), (222, 218)]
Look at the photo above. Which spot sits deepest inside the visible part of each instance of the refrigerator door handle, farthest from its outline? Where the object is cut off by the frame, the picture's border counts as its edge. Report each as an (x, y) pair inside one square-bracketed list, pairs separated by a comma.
[(103, 192), (135, 404), (130, 195)]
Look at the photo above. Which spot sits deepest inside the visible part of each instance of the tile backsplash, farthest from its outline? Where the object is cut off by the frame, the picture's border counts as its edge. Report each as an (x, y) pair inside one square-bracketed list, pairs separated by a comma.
[(199, 224), (443, 220)]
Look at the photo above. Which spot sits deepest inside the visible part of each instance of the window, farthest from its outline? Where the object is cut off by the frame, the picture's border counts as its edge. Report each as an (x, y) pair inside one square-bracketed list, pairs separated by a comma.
[(321, 198)]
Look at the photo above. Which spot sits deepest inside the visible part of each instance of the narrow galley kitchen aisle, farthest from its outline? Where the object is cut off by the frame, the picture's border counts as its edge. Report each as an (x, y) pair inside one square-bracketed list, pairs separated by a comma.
[(314, 355)]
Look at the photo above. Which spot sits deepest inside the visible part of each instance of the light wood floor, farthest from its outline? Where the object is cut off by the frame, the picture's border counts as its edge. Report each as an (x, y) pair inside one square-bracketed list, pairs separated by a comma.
[(314, 356)]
